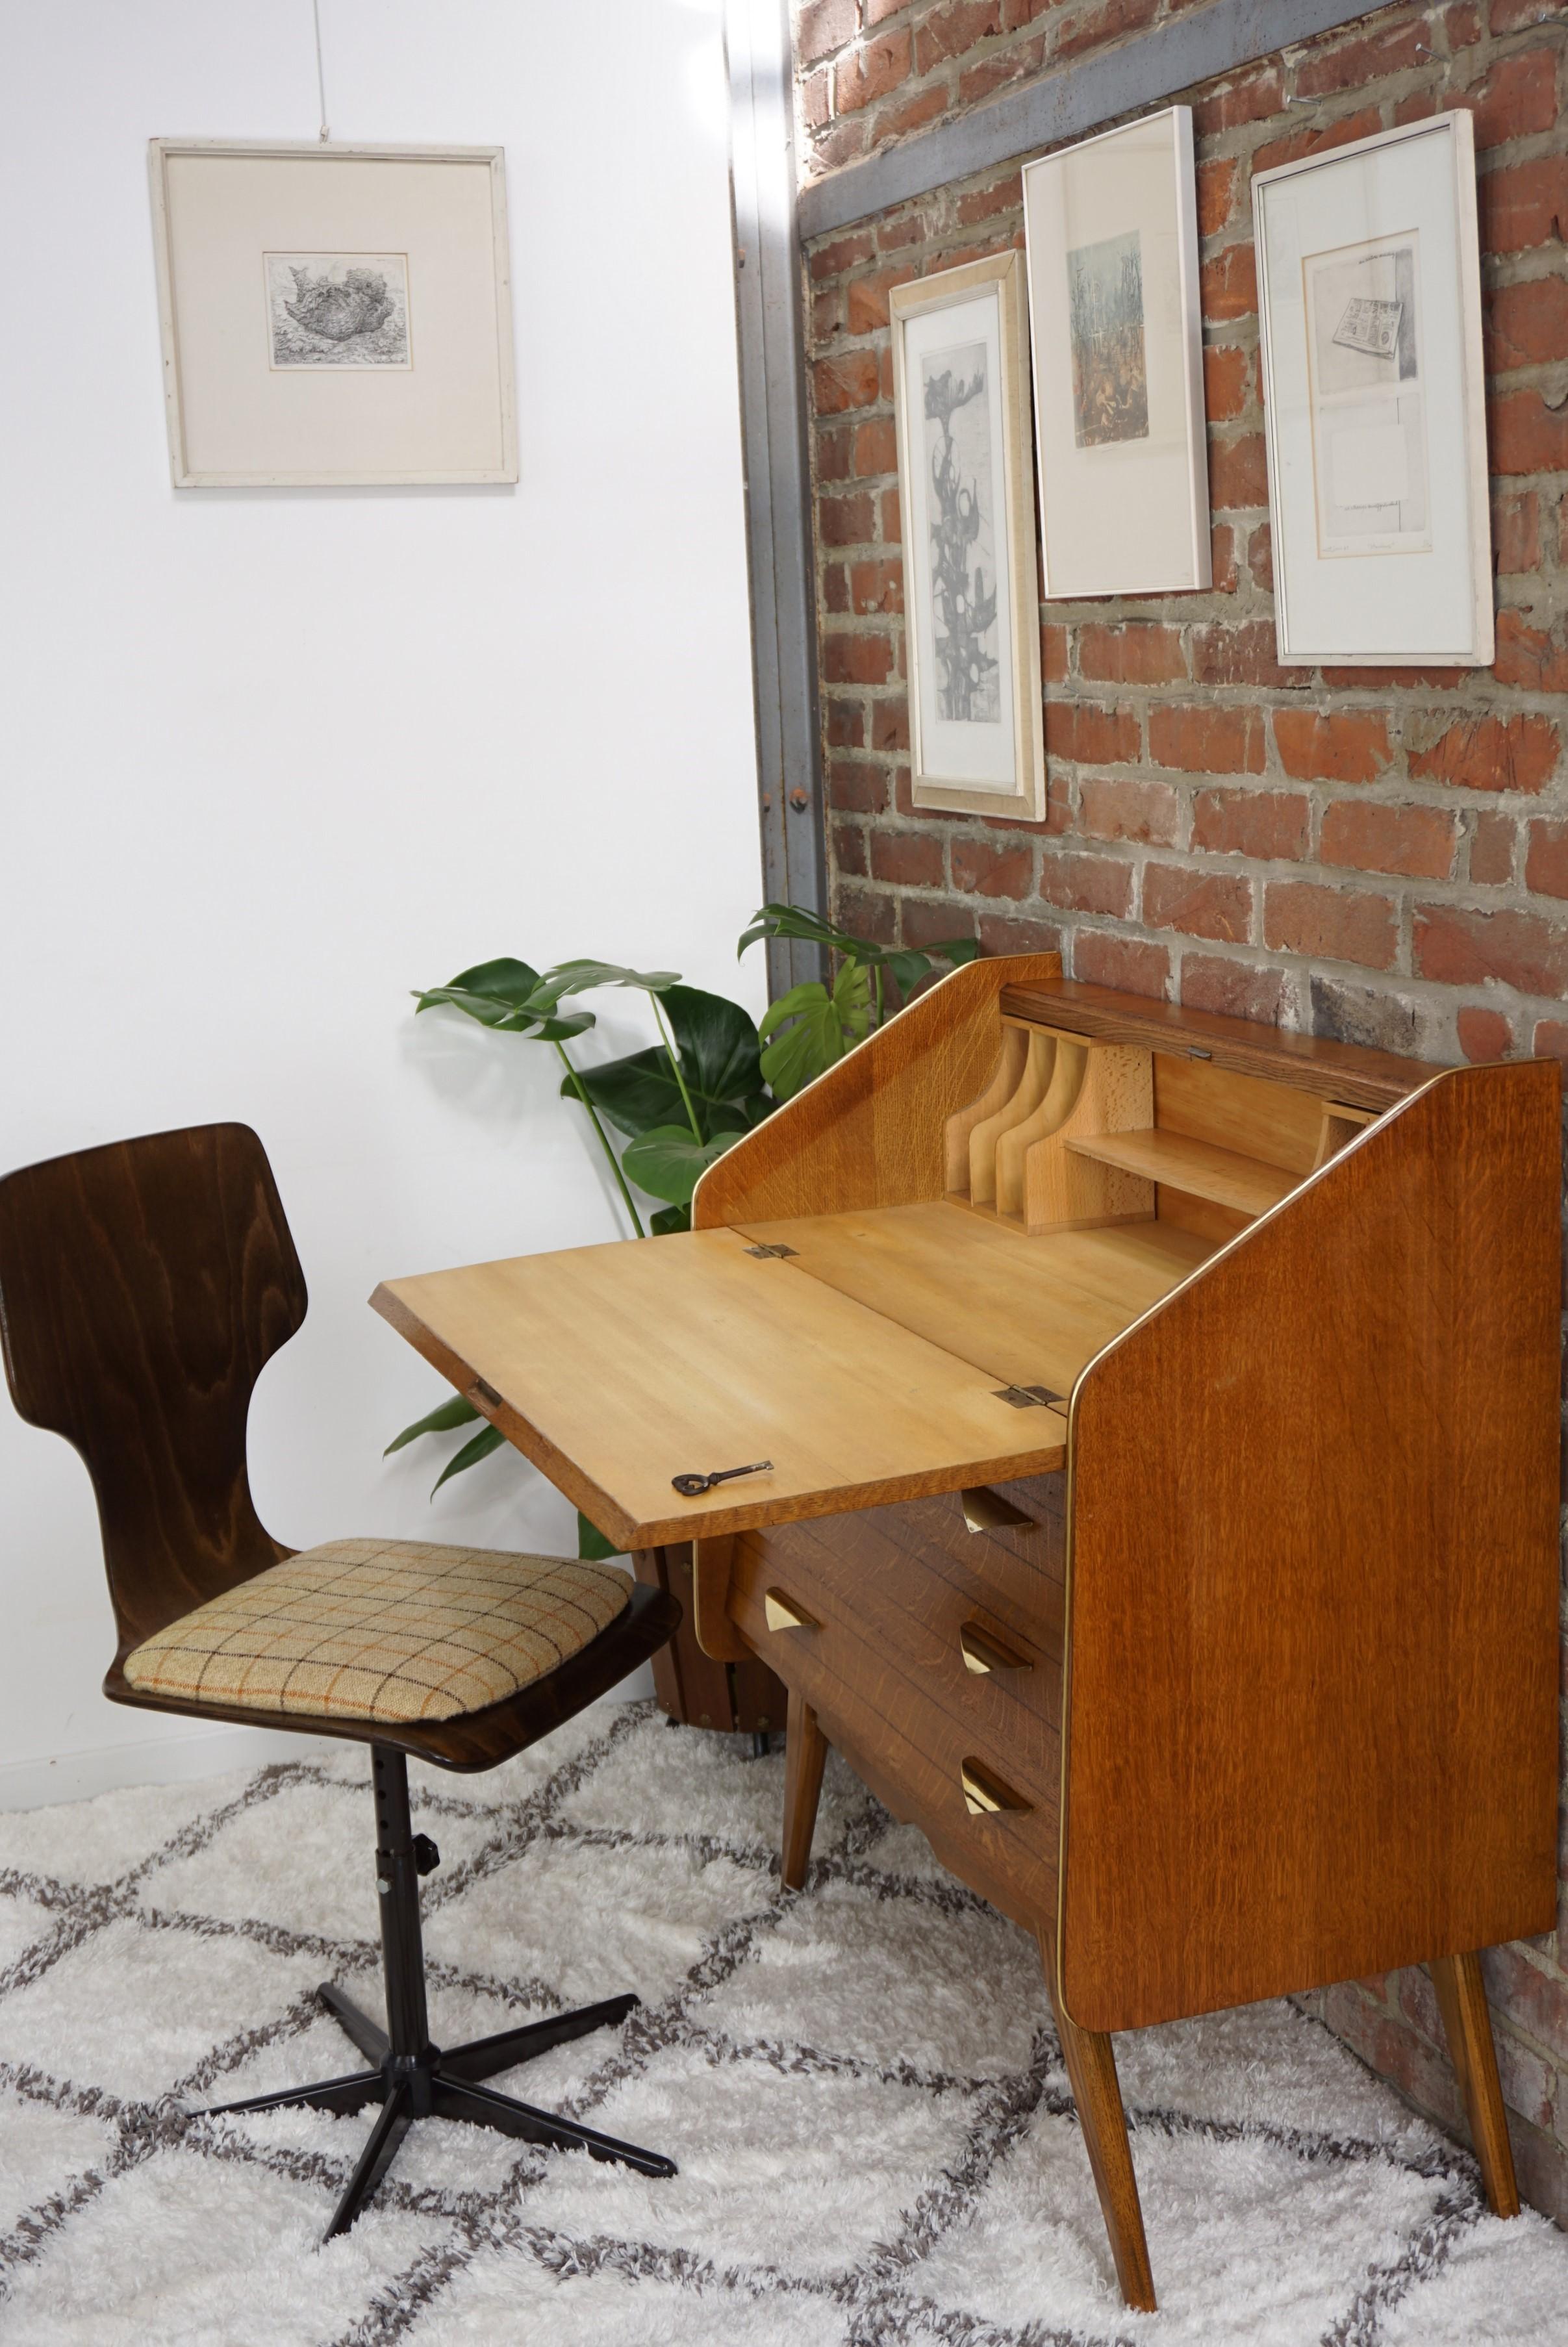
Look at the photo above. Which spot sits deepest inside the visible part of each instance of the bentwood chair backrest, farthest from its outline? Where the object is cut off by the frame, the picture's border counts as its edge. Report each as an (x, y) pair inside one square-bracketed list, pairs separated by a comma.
[(143, 1288)]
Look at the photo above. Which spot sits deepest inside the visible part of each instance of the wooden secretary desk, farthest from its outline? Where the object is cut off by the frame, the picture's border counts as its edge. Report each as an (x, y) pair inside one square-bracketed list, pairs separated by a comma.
[(1160, 1420)]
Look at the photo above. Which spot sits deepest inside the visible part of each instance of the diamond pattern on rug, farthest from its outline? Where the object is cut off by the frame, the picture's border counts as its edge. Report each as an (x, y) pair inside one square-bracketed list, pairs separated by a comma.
[(860, 2082)]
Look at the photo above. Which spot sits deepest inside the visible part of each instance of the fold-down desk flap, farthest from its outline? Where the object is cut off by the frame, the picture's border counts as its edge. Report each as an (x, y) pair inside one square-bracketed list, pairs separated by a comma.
[(615, 1369)]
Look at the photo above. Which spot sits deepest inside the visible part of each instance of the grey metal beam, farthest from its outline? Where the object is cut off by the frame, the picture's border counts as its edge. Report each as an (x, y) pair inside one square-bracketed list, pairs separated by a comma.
[(778, 480), (1145, 69)]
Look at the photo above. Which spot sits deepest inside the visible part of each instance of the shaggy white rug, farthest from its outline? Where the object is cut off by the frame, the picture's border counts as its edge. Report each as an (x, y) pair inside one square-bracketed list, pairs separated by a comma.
[(860, 2084)]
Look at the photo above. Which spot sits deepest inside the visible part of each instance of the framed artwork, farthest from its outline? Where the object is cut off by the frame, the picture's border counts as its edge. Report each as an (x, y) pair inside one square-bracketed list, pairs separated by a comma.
[(333, 315), (1111, 228), (960, 389), (1370, 303)]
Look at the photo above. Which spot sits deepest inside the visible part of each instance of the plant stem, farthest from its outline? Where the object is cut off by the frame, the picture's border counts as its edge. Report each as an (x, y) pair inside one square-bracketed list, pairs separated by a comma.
[(879, 994), (674, 1060), (603, 1139)]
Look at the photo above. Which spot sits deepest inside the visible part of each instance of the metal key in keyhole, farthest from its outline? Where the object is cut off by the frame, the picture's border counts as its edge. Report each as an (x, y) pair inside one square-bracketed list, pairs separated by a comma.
[(691, 1487)]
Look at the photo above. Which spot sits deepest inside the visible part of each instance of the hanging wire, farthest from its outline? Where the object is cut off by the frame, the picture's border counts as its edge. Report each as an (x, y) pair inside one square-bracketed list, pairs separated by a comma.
[(325, 133)]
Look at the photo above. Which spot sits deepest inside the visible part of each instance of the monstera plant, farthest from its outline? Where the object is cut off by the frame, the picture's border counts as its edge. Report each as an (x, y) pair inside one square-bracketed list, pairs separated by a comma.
[(680, 1103)]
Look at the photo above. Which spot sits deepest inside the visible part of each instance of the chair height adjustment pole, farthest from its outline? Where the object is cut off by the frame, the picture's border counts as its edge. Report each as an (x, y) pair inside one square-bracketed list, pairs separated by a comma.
[(411, 2078), (397, 1872)]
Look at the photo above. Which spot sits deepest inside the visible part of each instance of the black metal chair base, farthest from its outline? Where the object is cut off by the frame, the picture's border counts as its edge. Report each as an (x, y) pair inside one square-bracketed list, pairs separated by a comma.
[(410, 2077), (433, 2084)]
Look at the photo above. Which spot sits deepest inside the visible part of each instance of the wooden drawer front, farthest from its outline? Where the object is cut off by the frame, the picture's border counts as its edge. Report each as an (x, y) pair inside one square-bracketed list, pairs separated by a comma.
[(1009, 1860), (901, 1584), (879, 1662)]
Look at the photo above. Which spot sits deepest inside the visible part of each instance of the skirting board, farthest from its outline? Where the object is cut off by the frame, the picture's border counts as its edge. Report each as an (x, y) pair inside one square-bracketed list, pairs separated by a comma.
[(172, 1758), (176, 1756)]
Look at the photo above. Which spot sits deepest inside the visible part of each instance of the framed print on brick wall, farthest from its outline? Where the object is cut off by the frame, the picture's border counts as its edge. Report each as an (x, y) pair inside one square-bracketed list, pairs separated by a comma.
[(1369, 305), (333, 315), (966, 485), (1112, 231)]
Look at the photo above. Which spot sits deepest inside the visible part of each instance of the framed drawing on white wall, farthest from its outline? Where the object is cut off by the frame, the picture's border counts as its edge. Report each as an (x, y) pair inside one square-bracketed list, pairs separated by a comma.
[(1370, 305), (966, 483), (333, 315), (1112, 231)]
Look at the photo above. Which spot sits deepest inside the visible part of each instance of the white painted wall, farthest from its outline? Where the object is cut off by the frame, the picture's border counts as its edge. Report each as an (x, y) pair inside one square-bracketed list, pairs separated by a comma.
[(269, 759)]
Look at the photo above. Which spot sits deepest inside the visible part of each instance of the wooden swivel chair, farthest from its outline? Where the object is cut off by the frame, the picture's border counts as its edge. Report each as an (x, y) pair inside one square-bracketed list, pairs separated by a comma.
[(143, 1288)]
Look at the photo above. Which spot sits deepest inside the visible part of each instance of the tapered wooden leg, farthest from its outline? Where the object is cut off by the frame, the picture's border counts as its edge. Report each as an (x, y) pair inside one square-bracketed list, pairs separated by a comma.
[(1463, 2000), (805, 1755), (1092, 2074)]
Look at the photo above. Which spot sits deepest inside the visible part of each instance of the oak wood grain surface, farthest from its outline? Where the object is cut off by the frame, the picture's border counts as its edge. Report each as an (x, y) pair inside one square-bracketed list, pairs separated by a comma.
[(1012, 1056), (805, 1755), (1025, 1104), (1245, 1184), (739, 1697), (1090, 2064), (1312, 1726), (1467, 2025), (1346, 1072), (1278, 1122), (1102, 1088), (871, 1131), (687, 1683), (617, 1367), (716, 1633), (887, 1592), (1028, 1311), (911, 1754)]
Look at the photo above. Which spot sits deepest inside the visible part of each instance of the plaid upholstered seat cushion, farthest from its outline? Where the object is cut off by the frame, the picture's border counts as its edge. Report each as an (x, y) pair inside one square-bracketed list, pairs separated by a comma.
[(393, 1629)]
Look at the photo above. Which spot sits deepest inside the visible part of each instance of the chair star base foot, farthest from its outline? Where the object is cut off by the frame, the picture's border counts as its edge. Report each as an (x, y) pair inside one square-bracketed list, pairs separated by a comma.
[(433, 2084)]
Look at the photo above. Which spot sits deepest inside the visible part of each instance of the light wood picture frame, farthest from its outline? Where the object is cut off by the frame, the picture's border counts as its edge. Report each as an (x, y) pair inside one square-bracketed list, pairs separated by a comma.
[(1368, 270), (966, 486), (1111, 231), (333, 315)]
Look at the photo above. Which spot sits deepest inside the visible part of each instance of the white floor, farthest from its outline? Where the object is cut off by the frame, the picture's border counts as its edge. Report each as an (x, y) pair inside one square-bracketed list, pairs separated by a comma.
[(860, 2085)]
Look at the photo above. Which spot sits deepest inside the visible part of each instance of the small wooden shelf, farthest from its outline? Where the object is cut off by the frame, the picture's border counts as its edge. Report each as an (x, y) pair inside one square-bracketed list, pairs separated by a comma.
[(1244, 1183)]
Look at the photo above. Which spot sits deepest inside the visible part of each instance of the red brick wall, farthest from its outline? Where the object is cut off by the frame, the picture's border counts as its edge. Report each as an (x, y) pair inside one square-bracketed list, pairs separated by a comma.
[(1377, 855)]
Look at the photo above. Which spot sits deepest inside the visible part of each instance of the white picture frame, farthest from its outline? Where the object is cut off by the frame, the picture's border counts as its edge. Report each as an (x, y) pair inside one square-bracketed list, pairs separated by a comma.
[(1111, 231), (333, 315), (1368, 268), (966, 486)]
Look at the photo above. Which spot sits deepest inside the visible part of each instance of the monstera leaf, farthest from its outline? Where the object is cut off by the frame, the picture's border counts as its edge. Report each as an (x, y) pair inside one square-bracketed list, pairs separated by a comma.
[(719, 1059), (809, 1029), (908, 964), (511, 998), (668, 1163), (577, 977)]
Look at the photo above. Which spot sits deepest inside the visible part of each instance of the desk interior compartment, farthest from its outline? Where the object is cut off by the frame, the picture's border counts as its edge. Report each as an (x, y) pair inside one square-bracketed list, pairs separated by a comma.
[(1072, 1132)]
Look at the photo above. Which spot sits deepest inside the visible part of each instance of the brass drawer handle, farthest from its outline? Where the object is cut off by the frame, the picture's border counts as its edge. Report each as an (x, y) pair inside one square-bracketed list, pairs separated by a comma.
[(984, 1652), (784, 1613), (985, 1793), (986, 1510)]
